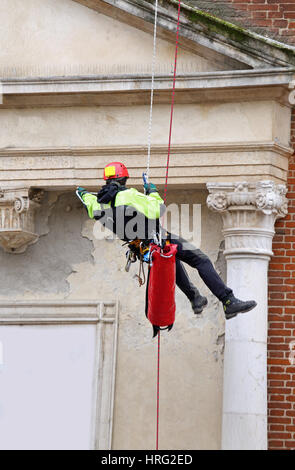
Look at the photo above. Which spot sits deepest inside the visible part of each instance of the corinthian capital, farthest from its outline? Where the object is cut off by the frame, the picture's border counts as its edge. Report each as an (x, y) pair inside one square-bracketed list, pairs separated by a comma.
[(265, 196), (271, 198), (249, 212)]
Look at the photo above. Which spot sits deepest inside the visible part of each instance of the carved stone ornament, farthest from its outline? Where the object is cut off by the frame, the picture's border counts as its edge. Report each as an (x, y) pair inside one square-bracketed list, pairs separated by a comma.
[(249, 212), (266, 196), (17, 219)]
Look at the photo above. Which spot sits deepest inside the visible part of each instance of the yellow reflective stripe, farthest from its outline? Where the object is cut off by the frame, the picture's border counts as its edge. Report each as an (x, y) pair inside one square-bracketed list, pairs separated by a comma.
[(148, 205), (90, 201)]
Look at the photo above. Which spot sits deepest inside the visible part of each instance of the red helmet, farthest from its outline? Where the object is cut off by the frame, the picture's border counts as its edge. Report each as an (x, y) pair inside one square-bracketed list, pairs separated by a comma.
[(115, 170)]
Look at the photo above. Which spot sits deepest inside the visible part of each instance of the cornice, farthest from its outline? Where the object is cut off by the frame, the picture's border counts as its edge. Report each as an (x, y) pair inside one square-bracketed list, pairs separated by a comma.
[(131, 89), (137, 150)]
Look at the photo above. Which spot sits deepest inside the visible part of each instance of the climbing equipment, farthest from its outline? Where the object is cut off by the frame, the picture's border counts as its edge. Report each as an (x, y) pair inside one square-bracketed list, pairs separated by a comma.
[(145, 175), (115, 170), (160, 298), (166, 178), (141, 274), (160, 309), (138, 250)]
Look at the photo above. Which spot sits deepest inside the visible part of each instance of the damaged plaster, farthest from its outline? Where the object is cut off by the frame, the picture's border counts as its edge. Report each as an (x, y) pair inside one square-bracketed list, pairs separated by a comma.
[(69, 262), (45, 266), (191, 354)]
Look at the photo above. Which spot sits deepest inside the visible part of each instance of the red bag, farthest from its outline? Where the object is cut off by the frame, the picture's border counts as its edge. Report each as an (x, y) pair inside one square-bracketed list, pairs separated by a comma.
[(160, 301)]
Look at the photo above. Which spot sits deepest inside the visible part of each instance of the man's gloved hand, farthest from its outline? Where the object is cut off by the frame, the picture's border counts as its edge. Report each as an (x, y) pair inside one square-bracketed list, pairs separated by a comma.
[(150, 188), (81, 191)]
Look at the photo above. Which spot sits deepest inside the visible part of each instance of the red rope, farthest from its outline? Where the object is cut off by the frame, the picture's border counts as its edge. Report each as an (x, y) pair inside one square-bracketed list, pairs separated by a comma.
[(158, 393), (165, 199)]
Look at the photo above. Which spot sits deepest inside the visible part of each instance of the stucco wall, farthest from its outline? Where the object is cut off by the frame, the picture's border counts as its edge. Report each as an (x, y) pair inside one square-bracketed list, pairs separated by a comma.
[(61, 37), (219, 142), (121, 125), (67, 263)]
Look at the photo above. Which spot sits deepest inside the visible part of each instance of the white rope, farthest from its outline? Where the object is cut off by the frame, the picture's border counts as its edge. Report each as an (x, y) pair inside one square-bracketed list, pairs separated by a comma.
[(152, 91)]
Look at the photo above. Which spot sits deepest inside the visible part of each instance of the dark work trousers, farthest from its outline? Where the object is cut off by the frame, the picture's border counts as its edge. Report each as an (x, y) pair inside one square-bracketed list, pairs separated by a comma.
[(195, 258)]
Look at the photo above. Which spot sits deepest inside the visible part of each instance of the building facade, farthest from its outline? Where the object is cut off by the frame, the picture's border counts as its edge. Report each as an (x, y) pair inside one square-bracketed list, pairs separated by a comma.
[(77, 359)]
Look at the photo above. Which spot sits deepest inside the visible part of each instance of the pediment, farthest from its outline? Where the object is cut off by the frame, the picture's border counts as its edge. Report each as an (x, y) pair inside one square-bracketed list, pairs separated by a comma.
[(99, 52), (67, 38), (213, 38)]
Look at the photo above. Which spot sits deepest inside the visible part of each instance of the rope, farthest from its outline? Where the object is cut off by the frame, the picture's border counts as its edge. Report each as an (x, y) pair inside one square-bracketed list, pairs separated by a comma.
[(152, 90), (165, 199), (158, 393), (147, 175), (172, 104)]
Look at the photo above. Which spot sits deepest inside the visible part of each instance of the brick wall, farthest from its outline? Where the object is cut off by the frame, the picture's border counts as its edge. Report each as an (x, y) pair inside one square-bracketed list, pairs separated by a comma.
[(275, 16), (278, 17), (281, 373)]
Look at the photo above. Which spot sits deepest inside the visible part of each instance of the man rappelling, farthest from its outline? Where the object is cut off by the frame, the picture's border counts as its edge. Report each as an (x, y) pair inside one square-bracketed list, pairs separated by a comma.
[(135, 218)]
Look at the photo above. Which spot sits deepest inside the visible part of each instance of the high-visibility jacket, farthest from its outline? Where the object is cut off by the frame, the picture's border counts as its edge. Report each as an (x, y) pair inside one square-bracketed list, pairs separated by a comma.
[(130, 215)]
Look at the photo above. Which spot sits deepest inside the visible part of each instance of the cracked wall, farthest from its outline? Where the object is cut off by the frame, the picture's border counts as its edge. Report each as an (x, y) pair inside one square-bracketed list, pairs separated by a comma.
[(69, 263), (191, 354), (43, 269)]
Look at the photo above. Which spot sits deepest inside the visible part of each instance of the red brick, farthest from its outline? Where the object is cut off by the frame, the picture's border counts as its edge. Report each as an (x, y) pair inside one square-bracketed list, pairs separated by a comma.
[(275, 313), (290, 384), (275, 444), (279, 419), (275, 339), (280, 23), (279, 405), (278, 332), (274, 273), (286, 7), (279, 383), (262, 7), (277, 413), (290, 445), (277, 266), (277, 427), (290, 398), (275, 280), (278, 390), (281, 435), (274, 14), (278, 347), (279, 376)]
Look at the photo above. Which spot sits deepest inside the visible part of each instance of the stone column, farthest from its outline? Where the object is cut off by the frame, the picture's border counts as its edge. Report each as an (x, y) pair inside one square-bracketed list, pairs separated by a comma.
[(249, 212)]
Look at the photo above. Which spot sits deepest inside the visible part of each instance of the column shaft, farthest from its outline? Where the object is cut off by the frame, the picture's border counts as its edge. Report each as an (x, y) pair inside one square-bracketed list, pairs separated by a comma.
[(249, 211)]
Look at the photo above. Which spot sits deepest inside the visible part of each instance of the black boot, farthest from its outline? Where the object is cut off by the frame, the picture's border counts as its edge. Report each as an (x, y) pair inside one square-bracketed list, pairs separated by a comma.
[(233, 306), (198, 304)]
